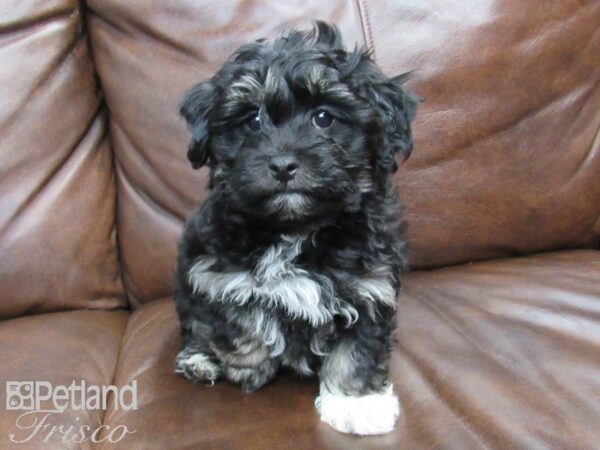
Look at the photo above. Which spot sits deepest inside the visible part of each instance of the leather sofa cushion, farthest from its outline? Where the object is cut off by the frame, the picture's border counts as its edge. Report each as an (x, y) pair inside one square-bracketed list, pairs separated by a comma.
[(147, 55), (57, 195), (501, 354), (507, 141), (58, 348)]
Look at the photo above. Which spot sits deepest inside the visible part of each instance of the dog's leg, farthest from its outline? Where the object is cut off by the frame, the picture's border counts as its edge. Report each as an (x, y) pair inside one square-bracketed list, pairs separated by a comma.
[(355, 394), (251, 379), (228, 343), (249, 364), (197, 362)]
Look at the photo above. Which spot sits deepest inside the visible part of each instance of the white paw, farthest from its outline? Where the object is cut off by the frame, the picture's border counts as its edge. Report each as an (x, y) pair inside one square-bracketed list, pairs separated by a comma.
[(366, 415), (197, 367)]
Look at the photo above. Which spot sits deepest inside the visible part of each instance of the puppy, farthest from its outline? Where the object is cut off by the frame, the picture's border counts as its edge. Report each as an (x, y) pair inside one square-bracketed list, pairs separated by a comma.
[(295, 258)]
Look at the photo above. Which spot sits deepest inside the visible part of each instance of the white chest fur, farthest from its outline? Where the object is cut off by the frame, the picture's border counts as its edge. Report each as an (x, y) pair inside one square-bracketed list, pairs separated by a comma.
[(274, 282)]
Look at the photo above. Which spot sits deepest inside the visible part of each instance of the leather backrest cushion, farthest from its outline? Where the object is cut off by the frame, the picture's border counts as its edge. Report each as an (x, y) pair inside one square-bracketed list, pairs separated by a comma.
[(57, 196), (148, 53), (507, 142)]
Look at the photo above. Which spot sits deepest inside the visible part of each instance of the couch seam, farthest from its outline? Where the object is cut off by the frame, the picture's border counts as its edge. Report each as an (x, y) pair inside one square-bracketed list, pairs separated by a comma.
[(85, 11), (365, 22), (116, 369)]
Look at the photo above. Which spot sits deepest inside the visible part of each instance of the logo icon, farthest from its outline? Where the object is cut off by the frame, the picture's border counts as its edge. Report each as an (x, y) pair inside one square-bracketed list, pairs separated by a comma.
[(20, 395)]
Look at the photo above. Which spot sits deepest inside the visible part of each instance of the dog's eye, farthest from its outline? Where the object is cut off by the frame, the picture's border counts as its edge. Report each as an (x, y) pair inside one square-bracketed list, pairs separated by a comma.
[(322, 119), (254, 122)]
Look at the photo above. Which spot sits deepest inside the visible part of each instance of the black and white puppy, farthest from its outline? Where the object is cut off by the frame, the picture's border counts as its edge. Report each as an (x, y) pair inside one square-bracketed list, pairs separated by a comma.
[(295, 258)]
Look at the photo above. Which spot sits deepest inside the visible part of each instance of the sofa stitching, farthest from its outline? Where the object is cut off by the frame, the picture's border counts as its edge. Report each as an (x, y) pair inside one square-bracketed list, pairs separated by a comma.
[(363, 12)]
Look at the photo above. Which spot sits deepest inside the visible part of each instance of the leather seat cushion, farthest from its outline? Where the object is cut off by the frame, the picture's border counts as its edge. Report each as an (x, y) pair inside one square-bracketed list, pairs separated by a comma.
[(504, 354), (58, 348)]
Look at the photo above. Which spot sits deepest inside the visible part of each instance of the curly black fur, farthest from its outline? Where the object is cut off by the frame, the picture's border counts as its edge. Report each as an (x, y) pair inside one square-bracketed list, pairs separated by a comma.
[(300, 266)]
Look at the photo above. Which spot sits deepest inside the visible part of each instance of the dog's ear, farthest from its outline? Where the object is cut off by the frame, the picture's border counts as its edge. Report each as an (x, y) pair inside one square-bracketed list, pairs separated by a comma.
[(196, 108), (395, 108), (327, 35)]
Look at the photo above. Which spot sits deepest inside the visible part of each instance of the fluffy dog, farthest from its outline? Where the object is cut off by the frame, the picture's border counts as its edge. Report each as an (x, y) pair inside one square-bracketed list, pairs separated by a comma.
[(295, 258)]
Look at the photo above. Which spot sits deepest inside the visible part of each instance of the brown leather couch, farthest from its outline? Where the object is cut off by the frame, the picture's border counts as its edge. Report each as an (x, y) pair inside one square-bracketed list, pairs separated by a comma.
[(498, 325)]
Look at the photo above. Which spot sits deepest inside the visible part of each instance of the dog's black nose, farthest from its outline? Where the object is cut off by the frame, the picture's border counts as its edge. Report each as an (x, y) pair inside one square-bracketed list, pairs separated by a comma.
[(283, 168)]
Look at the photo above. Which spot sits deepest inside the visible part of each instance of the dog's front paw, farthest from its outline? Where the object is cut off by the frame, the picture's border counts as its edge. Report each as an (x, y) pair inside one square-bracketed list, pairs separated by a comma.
[(365, 415), (197, 367)]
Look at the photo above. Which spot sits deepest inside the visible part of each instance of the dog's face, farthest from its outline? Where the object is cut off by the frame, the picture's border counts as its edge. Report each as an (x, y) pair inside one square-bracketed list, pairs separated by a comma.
[(298, 129)]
